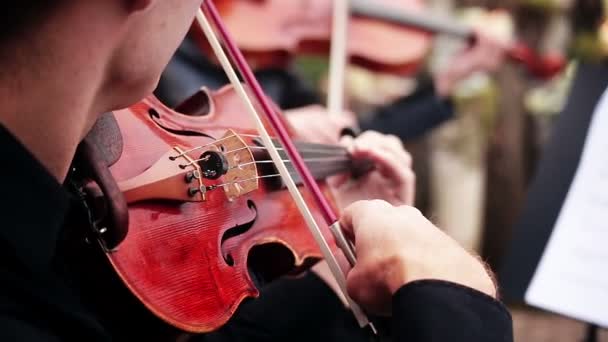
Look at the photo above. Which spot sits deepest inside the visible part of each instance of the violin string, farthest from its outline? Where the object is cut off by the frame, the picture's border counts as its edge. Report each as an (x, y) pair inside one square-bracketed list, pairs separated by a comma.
[(334, 156), (330, 150), (301, 143), (319, 149), (308, 160), (183, 153), (216, 186)]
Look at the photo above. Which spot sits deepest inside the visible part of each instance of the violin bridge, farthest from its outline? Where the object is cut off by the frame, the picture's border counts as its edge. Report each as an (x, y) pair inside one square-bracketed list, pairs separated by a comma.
[(242, 175)]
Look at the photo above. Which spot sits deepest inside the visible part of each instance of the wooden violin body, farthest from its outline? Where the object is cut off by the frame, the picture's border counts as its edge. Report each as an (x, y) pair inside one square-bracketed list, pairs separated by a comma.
[(271, 32), (391, 36), (188, 255)]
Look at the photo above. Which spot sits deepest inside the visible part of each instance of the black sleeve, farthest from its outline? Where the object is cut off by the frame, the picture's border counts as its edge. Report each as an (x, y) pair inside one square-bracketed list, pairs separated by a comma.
[(411, 116), (303, 309), (18, 330), (287, 88), (307, 310), (433, 310), (34, 309)]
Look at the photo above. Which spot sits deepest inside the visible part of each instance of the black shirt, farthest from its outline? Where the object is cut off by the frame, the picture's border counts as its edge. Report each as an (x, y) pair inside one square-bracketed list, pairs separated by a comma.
[(43, 298)]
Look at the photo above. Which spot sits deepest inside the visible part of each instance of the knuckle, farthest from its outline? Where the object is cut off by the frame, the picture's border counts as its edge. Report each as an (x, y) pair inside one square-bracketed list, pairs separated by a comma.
[(379, 203), (409, 174), (395, 140), (408, 157), (355, 209), (358, 205), (354, 285), (370, 135), (342, 122), (367, 207), (410, 211)]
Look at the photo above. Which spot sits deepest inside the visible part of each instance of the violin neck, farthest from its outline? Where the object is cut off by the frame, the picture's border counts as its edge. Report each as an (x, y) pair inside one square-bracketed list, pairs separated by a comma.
[(323, 161), (329, 160), (422, 21)]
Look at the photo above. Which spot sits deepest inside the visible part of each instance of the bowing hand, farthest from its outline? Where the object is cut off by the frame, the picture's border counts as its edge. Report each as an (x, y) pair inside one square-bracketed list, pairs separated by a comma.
[(391, 180), (397, 245)]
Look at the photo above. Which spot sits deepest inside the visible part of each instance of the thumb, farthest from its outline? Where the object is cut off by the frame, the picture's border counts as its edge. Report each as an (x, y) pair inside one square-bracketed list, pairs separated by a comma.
[(355, 216), (347, 219), (351, 218)]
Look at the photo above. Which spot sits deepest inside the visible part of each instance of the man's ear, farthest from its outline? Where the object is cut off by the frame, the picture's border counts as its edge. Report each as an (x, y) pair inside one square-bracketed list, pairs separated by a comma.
[(138, 5)]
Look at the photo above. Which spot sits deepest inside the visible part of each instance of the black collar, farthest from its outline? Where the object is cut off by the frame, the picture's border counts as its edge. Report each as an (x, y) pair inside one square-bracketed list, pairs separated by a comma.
[(33, 207)]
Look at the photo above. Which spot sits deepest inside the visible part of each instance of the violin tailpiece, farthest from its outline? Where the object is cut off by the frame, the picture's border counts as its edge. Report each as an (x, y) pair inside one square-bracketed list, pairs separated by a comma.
[(187, 175)]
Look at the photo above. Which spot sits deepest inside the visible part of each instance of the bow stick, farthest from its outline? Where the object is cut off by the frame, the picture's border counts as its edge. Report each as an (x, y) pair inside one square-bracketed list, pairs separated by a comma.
[(335, 94), (337, 58), (276, 123)]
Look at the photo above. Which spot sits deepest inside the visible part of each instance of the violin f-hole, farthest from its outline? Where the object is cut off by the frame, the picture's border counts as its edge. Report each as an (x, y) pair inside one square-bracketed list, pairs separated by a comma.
[(239, 229), (156, 117)]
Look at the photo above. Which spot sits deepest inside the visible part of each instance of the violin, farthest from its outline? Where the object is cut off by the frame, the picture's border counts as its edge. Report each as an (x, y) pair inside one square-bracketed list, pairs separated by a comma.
[(541, 66), (271, 32), (383, 35), (209, 217)]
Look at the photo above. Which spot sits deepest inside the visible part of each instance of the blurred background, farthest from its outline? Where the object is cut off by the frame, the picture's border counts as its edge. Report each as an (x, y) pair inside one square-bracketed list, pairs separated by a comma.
[(489, 152)]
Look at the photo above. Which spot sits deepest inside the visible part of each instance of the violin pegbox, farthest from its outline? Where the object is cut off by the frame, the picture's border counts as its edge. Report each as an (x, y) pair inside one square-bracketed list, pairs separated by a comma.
[(188, 174)]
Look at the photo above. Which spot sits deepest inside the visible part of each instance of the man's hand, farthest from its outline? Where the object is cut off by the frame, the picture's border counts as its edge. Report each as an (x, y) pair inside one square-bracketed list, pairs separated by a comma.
[(314, 124), (396, 246), (391, 180), (487, 54)]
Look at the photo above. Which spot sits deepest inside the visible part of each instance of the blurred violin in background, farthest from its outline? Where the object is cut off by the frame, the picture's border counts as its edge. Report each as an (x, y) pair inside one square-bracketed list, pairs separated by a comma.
[(384, 35), (271, 32)]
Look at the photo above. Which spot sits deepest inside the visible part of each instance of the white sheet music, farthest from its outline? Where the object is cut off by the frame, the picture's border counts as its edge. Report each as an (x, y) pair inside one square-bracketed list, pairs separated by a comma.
[(572, 276)]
